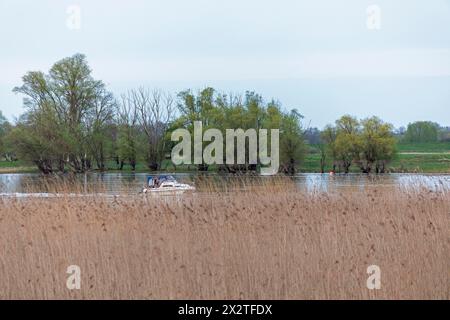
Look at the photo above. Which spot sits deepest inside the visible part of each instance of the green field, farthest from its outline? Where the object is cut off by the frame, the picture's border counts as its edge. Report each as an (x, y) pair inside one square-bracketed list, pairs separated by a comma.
[(441, 147)]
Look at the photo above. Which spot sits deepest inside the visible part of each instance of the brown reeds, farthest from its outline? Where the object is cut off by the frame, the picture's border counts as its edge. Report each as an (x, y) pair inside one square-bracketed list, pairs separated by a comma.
[(266, 240)]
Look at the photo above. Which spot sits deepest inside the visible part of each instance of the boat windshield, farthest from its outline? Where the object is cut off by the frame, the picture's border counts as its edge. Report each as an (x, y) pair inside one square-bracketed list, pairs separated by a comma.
[(155, 181)]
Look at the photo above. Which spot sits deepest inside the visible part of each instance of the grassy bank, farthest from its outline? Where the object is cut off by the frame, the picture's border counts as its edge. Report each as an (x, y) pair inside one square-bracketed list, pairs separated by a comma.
[(16, 167), (411, 157), (270, 243)]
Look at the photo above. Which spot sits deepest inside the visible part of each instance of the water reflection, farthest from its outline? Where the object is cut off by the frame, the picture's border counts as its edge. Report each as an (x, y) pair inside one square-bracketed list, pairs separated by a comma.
[(116, 183), (358, 182)]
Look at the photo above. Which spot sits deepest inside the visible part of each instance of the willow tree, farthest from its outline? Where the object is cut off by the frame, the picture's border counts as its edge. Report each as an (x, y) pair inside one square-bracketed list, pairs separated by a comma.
[(377, 145), (347, 144), (228, 111), (76, 106), (368, 143)]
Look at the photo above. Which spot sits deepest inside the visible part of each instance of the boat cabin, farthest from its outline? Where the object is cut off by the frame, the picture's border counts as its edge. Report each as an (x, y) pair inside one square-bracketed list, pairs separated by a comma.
[(160, 181)]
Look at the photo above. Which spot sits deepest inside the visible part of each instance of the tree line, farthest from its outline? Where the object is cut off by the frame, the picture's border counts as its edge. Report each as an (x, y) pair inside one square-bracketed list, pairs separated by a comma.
[(369, 144), (424, 132), (73, 123)]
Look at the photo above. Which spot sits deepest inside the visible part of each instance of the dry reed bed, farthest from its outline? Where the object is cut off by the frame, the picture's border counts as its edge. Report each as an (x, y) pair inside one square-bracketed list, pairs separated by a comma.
[(264, 243)]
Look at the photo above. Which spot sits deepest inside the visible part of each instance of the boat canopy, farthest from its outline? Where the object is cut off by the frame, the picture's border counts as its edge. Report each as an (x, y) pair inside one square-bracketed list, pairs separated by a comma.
[(161, 178)]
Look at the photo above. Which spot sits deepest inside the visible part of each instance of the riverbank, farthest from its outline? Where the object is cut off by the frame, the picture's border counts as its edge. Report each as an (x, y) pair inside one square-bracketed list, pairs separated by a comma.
[(411, 158), (17, 167)]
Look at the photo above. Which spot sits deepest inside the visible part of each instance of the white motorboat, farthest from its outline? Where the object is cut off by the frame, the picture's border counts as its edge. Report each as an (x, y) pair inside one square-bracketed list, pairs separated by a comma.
[(165, 184)]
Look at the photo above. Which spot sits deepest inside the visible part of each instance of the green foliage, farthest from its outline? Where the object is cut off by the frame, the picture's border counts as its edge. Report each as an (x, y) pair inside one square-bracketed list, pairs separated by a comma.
[(422, 131), (39, 139), (292, 143), (72, 122), (6, 148), (67, 116), (369, 143), (221, 111)]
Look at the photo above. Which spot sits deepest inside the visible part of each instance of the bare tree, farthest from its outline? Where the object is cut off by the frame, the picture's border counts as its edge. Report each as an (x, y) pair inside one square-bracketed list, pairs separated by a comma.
[(155, 112), (127, 120)]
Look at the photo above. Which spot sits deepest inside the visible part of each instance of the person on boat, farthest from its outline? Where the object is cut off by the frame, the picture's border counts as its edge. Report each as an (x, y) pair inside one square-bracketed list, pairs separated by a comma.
[(156, 183)]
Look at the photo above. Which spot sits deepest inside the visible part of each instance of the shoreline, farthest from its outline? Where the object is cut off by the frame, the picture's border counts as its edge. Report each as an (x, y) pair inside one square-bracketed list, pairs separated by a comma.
[(32, 170)]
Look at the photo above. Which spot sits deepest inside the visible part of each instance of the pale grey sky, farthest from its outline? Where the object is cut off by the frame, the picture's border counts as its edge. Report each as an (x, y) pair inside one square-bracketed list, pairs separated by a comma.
[(318, 56)]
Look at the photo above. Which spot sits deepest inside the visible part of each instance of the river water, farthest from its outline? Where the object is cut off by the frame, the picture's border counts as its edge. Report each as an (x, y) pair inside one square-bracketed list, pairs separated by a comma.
[(131, 183)]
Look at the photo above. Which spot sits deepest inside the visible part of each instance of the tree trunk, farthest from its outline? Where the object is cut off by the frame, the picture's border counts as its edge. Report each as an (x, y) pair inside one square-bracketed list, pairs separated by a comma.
[(44, 166)]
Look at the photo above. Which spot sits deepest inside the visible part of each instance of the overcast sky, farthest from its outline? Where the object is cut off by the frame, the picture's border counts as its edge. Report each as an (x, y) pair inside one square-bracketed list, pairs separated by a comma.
[(322, 57)]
